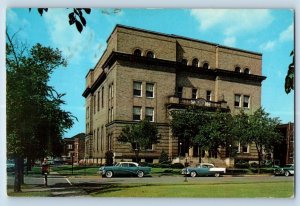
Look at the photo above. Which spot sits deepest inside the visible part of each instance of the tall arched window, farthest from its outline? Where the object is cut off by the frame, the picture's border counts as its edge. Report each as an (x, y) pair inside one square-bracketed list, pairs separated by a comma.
[(150, 54), (137, 52), (205, 65), (195, 62), (237, 69), (247, 71)]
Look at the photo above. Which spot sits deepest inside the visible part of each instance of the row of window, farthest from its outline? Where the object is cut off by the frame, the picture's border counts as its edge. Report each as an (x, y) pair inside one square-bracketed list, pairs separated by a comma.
[(241, 100), (195, 61), (239, 70), (98, 138), (138, 89), (137, 113), (138, 52), (194, 93)]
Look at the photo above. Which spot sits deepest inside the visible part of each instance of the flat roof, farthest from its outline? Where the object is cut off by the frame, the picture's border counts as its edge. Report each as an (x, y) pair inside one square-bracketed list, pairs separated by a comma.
[(179, 37)]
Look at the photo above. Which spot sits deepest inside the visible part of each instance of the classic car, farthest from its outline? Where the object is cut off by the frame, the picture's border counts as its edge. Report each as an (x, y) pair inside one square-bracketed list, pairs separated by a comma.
[(286, 170), (204, 169), (124, 169)]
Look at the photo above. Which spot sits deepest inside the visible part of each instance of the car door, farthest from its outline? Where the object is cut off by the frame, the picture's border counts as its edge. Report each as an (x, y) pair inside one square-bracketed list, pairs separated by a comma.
[(203, 170), (123, 170)]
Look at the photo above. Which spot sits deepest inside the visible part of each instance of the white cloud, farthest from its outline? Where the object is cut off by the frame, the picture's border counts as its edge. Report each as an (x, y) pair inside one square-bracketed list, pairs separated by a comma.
[(268, 46), (287, 34), (75, 46), (230, 41), (233, 21)]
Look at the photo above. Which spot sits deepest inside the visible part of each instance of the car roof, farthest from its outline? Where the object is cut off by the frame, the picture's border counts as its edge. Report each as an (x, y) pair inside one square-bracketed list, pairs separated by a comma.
[(129, 163)]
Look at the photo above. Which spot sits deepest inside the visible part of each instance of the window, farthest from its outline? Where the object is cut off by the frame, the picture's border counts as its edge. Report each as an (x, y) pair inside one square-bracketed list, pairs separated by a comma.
[(98, 137), (148, 146), (237, 100), (149, 90), (195, 62), (194, 93), (243, 148), (98, 101), (137, 52), (179, 92), (137, 89), (208, 95), (102, 138), (137, 111), (150, 54), (94, 98), (246, 101), (149, 114), (247, 71), (87, 112), (184, 61), (205, 66), (102, 97), (237, 69)]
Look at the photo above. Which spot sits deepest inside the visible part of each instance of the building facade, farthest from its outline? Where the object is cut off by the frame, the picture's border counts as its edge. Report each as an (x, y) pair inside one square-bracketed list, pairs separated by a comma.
[(145, 74)]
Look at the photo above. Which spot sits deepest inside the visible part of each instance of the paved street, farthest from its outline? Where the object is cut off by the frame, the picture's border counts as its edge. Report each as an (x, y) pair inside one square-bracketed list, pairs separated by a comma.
[(80, 186)]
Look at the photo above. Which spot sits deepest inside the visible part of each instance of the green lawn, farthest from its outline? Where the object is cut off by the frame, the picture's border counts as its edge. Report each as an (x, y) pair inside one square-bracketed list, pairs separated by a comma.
[(222, 190)]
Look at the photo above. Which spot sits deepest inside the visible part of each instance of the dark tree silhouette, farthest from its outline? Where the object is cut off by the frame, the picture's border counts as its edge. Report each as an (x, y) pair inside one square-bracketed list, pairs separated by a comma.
[(289, 79)]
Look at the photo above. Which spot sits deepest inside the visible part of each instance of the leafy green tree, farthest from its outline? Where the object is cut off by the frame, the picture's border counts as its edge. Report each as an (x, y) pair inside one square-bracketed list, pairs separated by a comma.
[(289, 79), (140, 135), (35, 121), (164, 157), (260, 129)]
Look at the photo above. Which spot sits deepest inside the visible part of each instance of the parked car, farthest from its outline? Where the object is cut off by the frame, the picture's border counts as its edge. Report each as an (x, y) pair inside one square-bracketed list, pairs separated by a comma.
[(124, 169), (10, 166), (286, 170), (204, 169)]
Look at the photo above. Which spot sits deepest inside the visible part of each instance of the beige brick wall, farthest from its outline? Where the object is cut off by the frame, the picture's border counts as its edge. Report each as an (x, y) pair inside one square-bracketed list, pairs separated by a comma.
[(163, 47), (229, 59)]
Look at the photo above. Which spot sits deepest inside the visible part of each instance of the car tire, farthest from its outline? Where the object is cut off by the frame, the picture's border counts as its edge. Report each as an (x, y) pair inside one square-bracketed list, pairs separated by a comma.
[(286, 173), (217, 174), (193, 174), (140, 173), (108, 174)]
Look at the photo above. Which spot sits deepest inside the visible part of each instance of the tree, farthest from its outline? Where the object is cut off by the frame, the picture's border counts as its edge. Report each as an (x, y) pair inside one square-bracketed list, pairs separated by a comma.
[(76, 17), (164, 157), (260, 129), (197, 127), (185, 125), (35, 121), (140, 135), (289, 79)]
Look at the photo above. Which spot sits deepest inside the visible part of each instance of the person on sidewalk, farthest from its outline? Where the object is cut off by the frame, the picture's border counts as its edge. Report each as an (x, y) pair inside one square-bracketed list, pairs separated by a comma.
[(45, 171)]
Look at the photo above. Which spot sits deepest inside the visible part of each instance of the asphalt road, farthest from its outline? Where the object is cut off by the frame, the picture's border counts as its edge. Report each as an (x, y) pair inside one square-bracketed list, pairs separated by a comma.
[(62, 181)]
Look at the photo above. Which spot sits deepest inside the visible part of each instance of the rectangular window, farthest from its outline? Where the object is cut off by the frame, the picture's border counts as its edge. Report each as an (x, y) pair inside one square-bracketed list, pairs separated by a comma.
[(87, 112), (102, 138), (194, 93), (237, 100), (246, 101), (98, 137), (112, 90), (137, 89), (243, 148), (179, 92), (102, 97), (149, 114), (98, 102), (94, 97), (150, 90), (208, 95), (137, 111)]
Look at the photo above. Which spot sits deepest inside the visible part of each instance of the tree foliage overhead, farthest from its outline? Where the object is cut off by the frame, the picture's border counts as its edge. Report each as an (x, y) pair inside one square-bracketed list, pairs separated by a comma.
[(289, 79)]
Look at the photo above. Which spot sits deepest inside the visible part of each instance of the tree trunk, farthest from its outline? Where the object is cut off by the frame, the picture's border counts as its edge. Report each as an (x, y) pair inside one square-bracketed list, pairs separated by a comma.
[(18, 174)]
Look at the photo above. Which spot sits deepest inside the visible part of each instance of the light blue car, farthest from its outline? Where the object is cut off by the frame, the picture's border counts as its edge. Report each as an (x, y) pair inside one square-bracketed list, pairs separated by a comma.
[(124, 169), (204, 169)]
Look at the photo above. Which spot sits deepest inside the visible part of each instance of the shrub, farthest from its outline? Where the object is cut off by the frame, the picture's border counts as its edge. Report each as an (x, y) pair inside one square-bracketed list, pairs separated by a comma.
[(177, 166), (164, 157), (109, 161), (241, 164)]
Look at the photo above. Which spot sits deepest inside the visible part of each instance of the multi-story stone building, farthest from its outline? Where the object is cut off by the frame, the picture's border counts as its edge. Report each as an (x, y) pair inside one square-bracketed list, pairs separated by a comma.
[(146, 74)]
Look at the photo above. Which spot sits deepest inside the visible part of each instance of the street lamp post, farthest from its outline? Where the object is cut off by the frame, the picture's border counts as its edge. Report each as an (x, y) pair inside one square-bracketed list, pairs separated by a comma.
[(180, 150), (185, 176)]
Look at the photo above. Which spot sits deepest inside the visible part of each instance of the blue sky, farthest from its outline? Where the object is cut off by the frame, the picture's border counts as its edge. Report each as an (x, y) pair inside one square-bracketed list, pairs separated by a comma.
[(270, 32)]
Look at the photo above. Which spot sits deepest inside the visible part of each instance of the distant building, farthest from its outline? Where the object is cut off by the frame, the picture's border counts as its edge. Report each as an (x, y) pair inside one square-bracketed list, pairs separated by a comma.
[(284, 152), (145, 74), (74, 148)]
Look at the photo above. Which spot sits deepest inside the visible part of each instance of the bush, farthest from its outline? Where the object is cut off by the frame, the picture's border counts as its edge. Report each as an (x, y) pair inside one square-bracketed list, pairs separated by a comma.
[(109, 161), (241, 164), (164, 157), (177, 166)]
